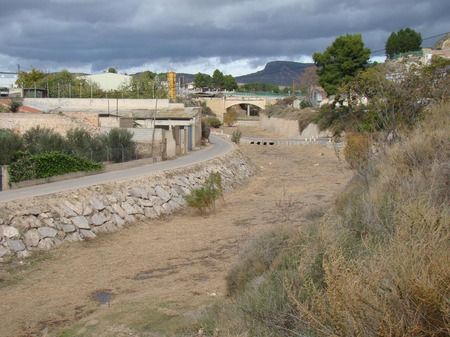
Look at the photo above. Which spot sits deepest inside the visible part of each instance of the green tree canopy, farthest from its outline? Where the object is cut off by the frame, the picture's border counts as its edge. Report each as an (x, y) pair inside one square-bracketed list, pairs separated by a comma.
[(405, 40), (112, 70), (341, 61), (30, 79), (229, 83), (217, 79), (202, 80)]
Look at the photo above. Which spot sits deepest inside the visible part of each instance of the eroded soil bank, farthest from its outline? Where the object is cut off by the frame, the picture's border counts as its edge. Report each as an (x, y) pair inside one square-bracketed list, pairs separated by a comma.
[(155, 277)]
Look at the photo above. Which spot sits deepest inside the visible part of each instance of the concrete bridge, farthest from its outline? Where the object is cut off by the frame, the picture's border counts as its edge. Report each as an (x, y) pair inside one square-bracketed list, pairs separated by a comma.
[(220, 105)]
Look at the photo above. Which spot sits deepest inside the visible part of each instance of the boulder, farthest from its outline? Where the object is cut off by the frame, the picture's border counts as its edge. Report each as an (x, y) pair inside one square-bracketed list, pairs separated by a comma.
[(31, 238), (74, 206), (98, 219), (138, 192), (72, 237), (46, 243), (97, 204), (68, 228), (162, 193), (81, 222), (47, 232), (15, 245), (4, 251), (119, 210), (118, 220), (9, 232), (87, 234), (149, 212)]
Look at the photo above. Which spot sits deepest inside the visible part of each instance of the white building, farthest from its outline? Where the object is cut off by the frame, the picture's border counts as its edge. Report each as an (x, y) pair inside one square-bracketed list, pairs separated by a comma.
[(108, 81), (8, 79)]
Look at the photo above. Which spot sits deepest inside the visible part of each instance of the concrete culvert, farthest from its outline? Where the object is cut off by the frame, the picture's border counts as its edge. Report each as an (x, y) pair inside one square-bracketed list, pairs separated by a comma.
[(265, 143), (271, 143)]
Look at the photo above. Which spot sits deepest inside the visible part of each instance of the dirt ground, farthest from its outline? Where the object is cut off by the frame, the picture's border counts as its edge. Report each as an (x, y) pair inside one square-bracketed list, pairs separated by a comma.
[(155, 277)]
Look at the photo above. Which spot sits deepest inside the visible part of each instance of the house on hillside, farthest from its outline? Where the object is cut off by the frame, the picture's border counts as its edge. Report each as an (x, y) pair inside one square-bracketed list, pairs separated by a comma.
[(108, 81)]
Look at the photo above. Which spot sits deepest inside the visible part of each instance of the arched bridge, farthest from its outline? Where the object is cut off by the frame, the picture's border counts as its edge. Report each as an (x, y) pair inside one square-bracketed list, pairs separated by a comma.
[(219, 105)]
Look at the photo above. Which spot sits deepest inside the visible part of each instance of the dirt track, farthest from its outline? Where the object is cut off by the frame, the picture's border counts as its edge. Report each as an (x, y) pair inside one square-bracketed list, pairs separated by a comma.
[(161, 273)]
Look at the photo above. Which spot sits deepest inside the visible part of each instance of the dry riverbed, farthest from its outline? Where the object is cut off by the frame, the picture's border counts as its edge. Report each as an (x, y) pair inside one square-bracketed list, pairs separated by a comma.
[(155, 277)]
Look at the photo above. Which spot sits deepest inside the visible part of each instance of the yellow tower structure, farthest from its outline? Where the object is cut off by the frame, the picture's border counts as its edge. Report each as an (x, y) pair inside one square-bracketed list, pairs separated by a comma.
[(172, 84)]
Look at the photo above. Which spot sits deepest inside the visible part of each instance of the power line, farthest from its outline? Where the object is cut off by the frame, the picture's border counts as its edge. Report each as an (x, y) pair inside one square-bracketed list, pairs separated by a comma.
[(426, 38)]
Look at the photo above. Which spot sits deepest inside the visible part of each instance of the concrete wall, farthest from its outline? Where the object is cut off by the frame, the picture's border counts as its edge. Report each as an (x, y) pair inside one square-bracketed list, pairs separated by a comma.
[(288, 128), (42, 223), (97, 104)]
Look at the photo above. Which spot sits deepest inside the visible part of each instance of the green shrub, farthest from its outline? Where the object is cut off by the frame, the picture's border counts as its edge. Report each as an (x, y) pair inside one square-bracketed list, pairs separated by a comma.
[(236, 136), (83, 143), (47, 165), (121, 145), (10, 144), (204, 198), (305, 104), (15, 105), (206, 130), (214, 122), (40, 140)]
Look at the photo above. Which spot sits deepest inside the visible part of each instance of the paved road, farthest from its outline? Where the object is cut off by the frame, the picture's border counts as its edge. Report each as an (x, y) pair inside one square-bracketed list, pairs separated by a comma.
[(218, 148)]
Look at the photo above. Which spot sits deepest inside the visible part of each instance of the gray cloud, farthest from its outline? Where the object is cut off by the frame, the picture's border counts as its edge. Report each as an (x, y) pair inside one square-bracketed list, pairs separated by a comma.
[(93, 34)]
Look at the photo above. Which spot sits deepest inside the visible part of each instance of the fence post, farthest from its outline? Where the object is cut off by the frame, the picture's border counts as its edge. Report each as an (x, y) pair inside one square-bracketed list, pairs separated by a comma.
[(4, 175)]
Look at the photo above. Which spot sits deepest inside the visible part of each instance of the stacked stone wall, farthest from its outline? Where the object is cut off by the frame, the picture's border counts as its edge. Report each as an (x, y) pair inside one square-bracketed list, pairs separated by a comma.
[(45, 222)]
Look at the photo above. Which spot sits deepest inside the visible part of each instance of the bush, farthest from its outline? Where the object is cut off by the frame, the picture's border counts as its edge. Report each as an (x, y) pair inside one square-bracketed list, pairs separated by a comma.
[(10, 144), (204, 198), (121, 144), (214, 122), (236, 136), (206, 130), (15, 105), (256, 259), (47, 165), (83, 143), (39, 140), (357, 150), (305, 104), (230, 118)]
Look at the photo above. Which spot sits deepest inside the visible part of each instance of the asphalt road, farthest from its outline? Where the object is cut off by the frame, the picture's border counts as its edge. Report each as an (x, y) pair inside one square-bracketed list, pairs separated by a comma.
[(219, 147)]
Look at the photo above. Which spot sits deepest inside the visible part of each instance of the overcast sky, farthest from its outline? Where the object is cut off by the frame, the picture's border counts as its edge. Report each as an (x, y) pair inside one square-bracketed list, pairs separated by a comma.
[(237, 36)]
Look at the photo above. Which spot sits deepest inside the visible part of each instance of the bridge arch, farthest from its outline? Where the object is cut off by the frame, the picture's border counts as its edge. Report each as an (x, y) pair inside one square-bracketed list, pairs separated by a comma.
[(245, 109)]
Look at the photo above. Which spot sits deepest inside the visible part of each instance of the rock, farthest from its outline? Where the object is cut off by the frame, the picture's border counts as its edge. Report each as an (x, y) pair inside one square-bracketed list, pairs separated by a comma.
[(46, 243), (119, 210), (72, 237), (130, 219), (98, 219), (68, 228), (81, 222), (118, 220), (23, 254), (130, 209), (109, 227), (138, 192), (158, 209), (162, 193), (66, 211), (145, 203), (74, 206), (47, 232), (156, 201), (15, 245), (9, 232), (87, 234), (97, 204), (149, 212), (48, 222), (4, 251), (88, 210), (31, 238)]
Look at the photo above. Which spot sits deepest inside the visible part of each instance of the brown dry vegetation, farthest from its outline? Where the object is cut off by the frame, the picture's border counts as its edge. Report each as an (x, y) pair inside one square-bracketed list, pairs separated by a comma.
[(162, 273), (378, 264)]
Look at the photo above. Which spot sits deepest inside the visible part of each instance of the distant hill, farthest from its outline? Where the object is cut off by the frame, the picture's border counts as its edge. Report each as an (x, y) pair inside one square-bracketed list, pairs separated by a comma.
[(276, 72)]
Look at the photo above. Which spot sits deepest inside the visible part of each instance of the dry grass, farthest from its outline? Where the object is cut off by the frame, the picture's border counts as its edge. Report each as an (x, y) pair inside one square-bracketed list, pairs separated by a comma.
[(375, 265)]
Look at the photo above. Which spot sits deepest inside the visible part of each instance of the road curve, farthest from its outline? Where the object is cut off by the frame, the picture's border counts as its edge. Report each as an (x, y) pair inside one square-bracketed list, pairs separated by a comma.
[(218, 148)]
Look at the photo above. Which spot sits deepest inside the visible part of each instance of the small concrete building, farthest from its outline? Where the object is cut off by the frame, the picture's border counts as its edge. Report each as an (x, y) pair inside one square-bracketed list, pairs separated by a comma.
[(108, 81), (179, 129), (8, 79)]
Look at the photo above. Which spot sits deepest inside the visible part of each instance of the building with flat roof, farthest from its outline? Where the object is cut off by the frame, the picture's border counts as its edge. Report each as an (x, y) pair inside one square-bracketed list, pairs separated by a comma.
[(8, 79), (108, 81)]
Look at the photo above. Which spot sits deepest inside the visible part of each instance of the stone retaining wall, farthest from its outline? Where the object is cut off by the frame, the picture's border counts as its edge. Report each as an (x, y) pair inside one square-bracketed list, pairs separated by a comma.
[(44, 222)]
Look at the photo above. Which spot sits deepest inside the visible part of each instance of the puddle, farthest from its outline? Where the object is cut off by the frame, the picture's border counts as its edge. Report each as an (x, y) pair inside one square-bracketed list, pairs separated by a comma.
[(102, 296)]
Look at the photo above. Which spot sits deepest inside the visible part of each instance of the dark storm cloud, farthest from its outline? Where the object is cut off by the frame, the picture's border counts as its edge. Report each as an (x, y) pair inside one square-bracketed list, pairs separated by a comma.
[(130, 33)]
